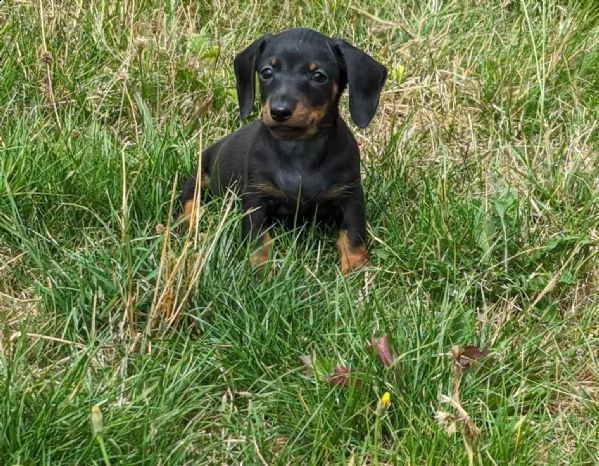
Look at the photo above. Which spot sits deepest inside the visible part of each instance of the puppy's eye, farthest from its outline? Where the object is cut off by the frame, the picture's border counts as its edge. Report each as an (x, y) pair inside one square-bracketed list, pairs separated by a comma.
[(266, 73), (319, 77)]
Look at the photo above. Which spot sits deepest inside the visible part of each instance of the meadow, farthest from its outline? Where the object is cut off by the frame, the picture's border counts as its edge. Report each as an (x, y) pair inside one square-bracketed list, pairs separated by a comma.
[(478, 313)]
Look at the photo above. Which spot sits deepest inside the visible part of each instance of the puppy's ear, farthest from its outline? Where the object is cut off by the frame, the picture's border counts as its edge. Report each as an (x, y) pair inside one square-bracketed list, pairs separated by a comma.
[(365, 78), (245, 74)]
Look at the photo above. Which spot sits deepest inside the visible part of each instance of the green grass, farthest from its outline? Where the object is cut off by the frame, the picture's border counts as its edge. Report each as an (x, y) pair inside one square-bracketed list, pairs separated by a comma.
[(482, 191)]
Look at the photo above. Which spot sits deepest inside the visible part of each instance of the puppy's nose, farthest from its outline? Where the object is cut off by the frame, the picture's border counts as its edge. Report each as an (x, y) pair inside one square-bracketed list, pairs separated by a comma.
[(281, 112)]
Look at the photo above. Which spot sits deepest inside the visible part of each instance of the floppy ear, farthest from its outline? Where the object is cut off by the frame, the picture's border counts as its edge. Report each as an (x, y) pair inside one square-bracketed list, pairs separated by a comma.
[(365, 78), (245, 74)]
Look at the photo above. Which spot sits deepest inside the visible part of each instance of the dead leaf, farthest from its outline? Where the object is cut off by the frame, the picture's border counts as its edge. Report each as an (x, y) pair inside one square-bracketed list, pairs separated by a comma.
[(342, 377), (467, 357), (470, 429), (447, 420), (381, 347)]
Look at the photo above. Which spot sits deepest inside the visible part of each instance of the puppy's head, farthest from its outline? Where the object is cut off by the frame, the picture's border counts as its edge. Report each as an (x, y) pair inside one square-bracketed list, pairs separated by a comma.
[(302, 74)]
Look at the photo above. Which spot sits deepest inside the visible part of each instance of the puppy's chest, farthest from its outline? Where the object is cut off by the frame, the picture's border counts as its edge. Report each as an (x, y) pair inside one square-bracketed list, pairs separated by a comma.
[(293, 191), (301, 186)]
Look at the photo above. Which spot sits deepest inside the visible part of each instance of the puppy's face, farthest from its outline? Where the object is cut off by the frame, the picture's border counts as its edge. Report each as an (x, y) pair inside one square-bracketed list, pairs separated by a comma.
[(302, 73), (299, 85)]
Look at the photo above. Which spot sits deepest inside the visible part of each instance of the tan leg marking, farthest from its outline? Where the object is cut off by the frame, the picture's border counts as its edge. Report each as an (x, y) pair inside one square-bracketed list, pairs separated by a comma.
[(351, 257), (187, 209), (189, 204), (260, 255)]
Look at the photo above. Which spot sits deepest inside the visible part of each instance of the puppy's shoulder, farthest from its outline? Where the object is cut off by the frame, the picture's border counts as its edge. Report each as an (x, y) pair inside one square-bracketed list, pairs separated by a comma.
[(236, 144), (344, 139)]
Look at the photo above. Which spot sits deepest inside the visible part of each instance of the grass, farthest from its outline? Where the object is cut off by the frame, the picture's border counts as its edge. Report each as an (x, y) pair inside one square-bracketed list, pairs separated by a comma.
[(482, 192)]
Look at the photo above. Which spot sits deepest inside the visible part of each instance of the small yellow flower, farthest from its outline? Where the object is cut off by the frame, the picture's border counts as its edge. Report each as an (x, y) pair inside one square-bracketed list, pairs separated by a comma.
[(386, 399), (383, 404)]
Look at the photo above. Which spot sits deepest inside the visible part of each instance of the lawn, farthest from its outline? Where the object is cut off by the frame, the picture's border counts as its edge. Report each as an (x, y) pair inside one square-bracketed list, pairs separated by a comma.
[(480, 298)]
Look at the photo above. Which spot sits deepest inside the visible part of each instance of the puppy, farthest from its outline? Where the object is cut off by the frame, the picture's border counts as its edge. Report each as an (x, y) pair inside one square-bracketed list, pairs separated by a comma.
[(300, 161)]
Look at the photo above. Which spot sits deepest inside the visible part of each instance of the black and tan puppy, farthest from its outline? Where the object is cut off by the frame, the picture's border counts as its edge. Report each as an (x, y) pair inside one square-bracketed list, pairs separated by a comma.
[(300, 161)]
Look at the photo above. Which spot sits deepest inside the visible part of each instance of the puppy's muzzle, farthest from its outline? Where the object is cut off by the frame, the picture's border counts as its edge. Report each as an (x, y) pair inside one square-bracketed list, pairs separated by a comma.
[(281, 112), (282, 108)]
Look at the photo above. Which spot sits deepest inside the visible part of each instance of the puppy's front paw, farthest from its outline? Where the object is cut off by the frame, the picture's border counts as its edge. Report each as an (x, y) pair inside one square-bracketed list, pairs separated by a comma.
[(352, 257), (259, 257)]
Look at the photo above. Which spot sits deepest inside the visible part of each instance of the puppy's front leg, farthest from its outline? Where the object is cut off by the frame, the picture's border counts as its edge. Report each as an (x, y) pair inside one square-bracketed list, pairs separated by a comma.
[(253, 231), (352, 233)]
